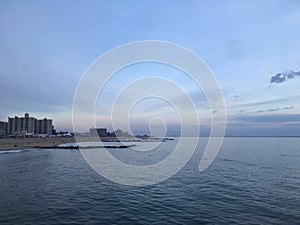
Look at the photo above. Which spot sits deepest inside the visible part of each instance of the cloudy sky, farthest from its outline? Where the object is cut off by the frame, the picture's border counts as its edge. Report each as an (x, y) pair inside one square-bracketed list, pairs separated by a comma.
[(252, 47)]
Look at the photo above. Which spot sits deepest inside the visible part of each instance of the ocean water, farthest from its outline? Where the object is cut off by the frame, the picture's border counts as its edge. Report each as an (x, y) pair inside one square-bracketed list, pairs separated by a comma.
[(252, 181)]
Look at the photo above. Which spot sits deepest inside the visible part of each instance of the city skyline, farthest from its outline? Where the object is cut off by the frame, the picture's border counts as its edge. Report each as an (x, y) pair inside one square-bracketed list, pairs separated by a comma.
[(27, 125), (251, 47)]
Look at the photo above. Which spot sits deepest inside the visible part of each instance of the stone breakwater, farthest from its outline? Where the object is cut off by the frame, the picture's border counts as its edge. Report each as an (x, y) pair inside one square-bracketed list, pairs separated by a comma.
[(84, 147)]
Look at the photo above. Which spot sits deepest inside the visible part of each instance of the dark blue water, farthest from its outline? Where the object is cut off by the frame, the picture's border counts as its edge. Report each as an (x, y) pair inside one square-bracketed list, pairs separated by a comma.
[(252, 181)]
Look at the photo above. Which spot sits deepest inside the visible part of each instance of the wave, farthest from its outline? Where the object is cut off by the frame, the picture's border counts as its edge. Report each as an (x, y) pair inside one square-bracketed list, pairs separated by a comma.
[(10, 151), (239, 162)]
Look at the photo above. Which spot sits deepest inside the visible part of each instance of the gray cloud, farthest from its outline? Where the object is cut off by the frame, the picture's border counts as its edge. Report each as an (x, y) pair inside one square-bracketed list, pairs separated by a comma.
[(284, 76), (273, 109), (33, 93), (293, 98), (264, 125), (275, 118)]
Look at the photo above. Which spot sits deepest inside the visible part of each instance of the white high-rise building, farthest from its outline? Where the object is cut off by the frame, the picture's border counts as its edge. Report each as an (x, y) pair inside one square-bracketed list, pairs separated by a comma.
[(24, 125)]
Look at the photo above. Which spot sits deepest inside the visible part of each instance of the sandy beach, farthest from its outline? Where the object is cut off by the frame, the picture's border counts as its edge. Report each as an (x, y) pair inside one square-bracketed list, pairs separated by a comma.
[(7, 144), (24, 143)]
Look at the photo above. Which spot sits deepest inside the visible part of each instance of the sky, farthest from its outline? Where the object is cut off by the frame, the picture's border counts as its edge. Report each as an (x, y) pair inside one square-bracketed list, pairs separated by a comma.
[(252, 48)]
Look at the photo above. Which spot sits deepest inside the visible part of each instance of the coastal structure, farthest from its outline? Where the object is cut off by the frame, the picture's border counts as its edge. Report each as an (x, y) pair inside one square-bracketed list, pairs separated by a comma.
[(102, 132), (98, 132), (29, 125), (3, 129)]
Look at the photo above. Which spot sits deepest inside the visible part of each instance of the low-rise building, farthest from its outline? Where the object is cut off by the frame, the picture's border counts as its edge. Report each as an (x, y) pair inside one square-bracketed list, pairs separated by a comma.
[(98, 132)]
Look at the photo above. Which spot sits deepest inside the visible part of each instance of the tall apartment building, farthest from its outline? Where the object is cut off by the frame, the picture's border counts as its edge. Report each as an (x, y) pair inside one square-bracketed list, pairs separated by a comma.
[(3, 129), (43, 126), (24, 125)]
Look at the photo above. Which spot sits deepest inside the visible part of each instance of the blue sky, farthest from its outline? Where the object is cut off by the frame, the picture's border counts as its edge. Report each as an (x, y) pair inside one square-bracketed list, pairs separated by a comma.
[(45, 47)]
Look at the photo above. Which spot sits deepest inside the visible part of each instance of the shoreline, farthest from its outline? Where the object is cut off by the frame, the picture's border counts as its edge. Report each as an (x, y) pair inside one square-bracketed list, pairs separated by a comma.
[(7, 144)]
